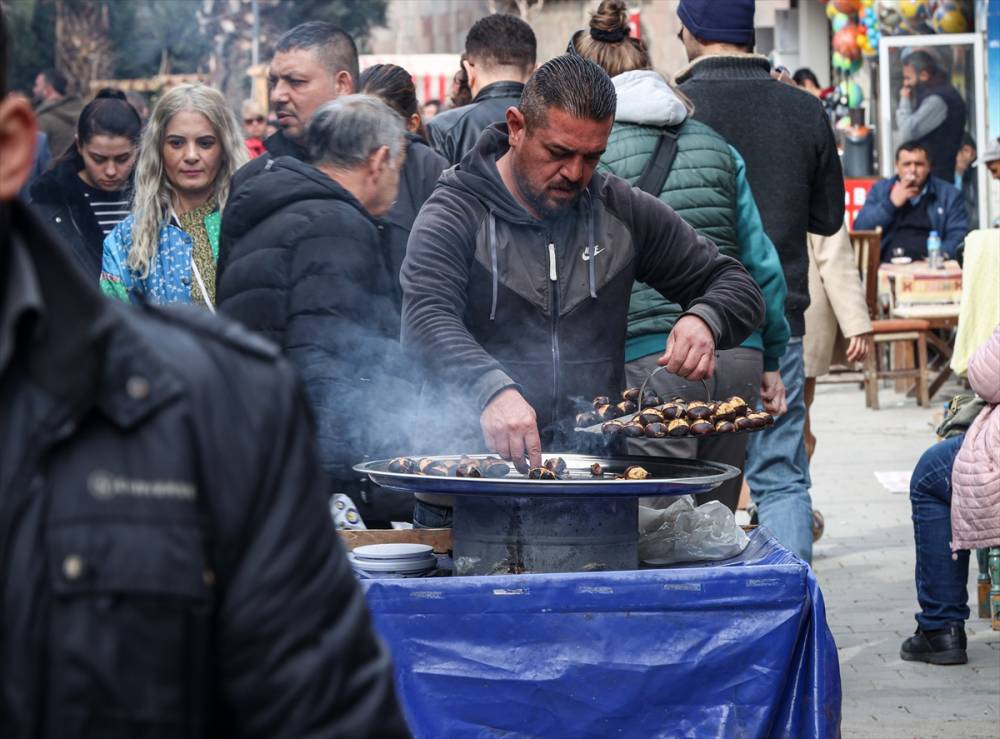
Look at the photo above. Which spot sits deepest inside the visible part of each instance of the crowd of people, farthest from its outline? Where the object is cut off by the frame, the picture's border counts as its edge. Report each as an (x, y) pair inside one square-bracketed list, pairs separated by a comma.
[(391, 278)]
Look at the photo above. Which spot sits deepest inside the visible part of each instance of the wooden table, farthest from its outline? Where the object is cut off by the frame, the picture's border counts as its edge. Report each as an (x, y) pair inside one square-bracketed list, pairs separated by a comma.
[(935, 295)]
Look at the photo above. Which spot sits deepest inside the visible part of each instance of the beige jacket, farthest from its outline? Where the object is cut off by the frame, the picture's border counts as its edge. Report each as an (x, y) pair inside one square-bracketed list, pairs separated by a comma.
[(837, 309)]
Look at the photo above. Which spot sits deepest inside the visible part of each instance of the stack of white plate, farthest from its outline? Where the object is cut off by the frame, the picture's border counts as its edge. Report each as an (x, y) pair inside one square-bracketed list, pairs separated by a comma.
[(393, 560)]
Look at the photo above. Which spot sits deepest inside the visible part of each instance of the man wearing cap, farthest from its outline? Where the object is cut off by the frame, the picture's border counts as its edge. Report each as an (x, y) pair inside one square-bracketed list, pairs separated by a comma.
[(791, 159)]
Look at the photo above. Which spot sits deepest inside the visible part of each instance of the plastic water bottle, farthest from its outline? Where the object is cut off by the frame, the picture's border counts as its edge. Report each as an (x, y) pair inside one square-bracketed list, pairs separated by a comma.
[(934, 258)]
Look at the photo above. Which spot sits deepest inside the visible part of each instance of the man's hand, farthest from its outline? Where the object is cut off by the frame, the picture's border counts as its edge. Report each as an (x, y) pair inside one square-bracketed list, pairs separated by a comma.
[(902, 191), (690, 349), (860, 347), (772, 393), (510, 428)]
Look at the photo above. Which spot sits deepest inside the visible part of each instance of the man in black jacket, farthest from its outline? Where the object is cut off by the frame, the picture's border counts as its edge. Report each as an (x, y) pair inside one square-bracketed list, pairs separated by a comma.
[(313, 63), (793, 169), (307, 271), (519, 269), (170, 566), (499, 57)]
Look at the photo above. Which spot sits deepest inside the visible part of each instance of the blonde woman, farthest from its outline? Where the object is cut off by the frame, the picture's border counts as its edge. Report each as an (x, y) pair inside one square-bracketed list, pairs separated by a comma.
[(166, 250)]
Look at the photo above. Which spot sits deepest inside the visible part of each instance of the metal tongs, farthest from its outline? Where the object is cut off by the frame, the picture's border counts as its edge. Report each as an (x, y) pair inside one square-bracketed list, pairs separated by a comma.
[(642, 388)]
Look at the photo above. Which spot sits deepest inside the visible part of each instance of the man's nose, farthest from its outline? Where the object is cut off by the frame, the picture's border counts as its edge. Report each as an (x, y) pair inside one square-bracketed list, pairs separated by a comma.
[(279, 93), (573, 169)]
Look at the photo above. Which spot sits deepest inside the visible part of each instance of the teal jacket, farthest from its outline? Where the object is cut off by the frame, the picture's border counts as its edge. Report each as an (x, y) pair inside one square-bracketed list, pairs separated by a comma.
[(707, 187)]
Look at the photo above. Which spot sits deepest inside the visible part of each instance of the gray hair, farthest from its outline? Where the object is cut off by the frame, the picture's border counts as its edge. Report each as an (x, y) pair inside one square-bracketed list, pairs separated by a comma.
[(346, 131), (571, 83)]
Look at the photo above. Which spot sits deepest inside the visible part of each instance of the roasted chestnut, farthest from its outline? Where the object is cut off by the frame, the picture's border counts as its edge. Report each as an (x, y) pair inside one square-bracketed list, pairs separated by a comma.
[(678, 427), (744, 423), (656, 430), (493, 467), (588, 418), (612, 428), (633, 429), (757, 420), (436, 469), (672, 411), (702, 427), (626, 407), (651, 415), (635, 472), (699, 410), (607, 412), (601, 400), (631, 394), (402, 464), (556, 464), (467, 470), (739, 405), (651, 399), (725, 427), (725, 412), (423, 463), (541, 473), (596, 470), (768, 418)]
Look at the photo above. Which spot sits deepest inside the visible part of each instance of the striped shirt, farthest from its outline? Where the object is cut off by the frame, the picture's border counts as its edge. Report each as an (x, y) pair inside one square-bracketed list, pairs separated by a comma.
[(109, 208)]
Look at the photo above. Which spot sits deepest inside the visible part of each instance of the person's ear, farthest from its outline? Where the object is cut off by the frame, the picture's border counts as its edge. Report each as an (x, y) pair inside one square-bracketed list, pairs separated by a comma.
[(343, 83), (18, 134), (413, 123), (377, 163), (516, 127), (471, 73)]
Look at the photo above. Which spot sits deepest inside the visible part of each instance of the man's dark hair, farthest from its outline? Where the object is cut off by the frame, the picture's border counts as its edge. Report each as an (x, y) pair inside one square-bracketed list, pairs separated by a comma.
[(803, 75), (500, 40), (913, 146), (4, 51), (967, 140), (571, 83), (922, 61), (57, 79), (334, 46)]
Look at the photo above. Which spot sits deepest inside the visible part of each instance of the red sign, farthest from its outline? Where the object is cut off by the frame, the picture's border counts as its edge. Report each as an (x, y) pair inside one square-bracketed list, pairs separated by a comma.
[(855, 192)]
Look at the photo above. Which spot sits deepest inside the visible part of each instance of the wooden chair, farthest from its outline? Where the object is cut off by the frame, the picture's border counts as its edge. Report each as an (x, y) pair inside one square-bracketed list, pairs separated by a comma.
[(868, 253)]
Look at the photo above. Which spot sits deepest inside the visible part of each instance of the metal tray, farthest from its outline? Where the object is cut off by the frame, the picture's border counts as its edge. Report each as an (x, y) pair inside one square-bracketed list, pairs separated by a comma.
[(596, 429), (669, 477)]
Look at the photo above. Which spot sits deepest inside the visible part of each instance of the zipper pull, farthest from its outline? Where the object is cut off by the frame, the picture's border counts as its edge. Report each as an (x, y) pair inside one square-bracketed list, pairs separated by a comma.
[(552, 263)]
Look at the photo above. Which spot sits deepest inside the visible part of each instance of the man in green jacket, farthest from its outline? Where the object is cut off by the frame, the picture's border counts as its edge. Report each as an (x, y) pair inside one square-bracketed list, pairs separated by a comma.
[(56, 111)]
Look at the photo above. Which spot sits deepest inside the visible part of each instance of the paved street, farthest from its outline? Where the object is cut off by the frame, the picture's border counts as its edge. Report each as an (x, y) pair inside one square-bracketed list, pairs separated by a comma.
[(865, 567)]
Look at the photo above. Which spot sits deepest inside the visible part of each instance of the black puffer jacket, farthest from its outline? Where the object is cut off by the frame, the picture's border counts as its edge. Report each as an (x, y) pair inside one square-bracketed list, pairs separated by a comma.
[(455, 132), (494, 298), (170, 567), (420, 174), (57, 196), (307, 270)]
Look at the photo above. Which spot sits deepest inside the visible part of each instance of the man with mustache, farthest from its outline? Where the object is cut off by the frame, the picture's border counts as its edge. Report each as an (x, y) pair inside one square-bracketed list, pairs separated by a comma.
[(519, 268)]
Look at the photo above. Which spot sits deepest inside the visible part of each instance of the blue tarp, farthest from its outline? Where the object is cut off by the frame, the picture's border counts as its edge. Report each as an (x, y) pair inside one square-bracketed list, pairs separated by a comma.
[(738, 648)]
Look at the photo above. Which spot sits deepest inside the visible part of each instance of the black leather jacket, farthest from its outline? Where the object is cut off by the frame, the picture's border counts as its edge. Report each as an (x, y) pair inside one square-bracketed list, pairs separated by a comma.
[(455, 132), (169, 563)]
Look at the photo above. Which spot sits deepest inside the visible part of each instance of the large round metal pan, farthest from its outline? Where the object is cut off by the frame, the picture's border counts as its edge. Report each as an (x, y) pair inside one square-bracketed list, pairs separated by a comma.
[(667, 477)]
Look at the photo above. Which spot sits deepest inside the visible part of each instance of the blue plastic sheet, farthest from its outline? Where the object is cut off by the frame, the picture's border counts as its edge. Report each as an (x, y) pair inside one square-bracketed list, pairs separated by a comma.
[(738, 648)]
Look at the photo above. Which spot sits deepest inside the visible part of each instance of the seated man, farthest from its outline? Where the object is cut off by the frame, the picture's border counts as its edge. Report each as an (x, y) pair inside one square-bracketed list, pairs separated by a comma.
[(911, 205), (308, 271)]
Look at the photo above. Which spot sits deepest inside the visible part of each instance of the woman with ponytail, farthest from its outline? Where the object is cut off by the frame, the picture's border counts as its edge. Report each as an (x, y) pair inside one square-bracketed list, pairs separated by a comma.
[(86, 193), (703, 180), (422, 166), (166, 250)]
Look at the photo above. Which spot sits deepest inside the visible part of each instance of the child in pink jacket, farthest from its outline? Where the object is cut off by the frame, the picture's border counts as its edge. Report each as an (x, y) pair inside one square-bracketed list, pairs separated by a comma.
[(955, 495)]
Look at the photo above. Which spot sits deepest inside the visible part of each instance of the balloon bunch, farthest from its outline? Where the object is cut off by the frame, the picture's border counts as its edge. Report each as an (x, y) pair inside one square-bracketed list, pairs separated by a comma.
[(905, 17), (855, 32)]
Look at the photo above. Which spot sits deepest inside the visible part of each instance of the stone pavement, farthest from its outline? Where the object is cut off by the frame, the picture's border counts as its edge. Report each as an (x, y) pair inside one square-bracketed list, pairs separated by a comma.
[(864, 564)]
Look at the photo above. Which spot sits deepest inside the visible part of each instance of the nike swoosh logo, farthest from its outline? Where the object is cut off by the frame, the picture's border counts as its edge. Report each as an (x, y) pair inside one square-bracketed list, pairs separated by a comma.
[(586, 253)]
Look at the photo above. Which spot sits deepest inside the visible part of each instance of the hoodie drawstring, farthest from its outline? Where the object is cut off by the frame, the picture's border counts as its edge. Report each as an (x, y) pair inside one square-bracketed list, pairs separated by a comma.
[(592, 247), (493, 265)]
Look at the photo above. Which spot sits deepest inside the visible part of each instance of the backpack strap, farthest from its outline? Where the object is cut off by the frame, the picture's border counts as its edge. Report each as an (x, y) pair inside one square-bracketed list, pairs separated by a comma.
[(658, 167)]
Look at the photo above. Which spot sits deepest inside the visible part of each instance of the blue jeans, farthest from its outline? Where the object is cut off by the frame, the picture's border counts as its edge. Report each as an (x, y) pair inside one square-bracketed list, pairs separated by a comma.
[(777, 468), (941, 580)]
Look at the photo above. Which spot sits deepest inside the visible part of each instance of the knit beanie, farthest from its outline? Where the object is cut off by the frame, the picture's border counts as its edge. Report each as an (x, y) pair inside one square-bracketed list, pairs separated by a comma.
[(723, 21)]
